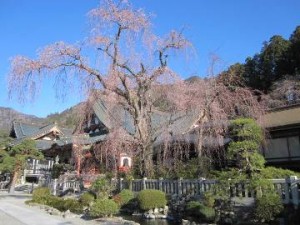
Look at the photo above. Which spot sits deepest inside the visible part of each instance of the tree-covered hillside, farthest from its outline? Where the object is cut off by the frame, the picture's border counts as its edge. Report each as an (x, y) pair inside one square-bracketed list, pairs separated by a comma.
[(277, 59)]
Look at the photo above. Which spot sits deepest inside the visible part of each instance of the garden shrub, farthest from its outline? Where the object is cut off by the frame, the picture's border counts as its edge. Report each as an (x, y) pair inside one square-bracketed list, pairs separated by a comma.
[(102, 187), (150, 199), (57, 202), (209, 199), (65, 204), (207, 213), (123, 197), (73, 205), (268, 206), (276, 173), (192, 207), (104, 208), (86, 198), (41, 195), (197, 209)]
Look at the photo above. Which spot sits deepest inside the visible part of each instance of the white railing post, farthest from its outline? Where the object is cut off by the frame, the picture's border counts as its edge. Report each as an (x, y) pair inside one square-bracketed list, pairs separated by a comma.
[(64, 184), (286, 192), (54, 186), (294, 191), (179, 186), (121, 184), (144, 183), (160, 184)]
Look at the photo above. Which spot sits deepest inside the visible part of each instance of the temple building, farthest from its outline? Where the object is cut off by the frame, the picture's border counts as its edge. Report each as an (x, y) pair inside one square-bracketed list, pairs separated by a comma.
[(283, 142)]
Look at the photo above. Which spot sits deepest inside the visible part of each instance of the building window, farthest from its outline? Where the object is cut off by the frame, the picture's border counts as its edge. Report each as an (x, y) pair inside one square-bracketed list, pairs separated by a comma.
[(283, 148)]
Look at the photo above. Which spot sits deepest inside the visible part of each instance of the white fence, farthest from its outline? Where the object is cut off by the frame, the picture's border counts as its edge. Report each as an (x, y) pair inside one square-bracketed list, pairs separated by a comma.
[(38, 167), (60, 186), (287, 188)]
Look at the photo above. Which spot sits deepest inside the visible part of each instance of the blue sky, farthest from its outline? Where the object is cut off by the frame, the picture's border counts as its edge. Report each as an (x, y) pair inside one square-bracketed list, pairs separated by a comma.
[(231, 29)]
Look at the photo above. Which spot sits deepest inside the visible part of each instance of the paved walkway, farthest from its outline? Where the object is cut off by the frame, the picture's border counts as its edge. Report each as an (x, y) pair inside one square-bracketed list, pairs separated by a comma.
[(13, 211)]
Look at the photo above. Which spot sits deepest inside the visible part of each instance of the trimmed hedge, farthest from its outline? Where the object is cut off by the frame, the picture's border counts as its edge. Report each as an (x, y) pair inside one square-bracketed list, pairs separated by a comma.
[(41, 195), (197, 209), (57, 202), (86, 199), (123, 197), (150, 199), (63, 204), (104, 208), (73, 205)]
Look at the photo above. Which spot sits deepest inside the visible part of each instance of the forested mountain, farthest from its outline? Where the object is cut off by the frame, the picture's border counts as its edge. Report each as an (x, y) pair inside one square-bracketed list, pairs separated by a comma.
[(277, 59)]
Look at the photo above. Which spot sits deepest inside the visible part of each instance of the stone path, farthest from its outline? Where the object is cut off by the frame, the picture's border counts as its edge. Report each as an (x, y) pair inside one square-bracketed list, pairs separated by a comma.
[(13, 211)]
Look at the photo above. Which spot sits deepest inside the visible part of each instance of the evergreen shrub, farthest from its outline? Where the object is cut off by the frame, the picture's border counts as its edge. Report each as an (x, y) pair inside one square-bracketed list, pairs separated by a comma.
[(57, 202), (209, 199), (274, 173), (104, 208), (73, 205), (123, 197), (268, 206), (86, 198), (197, 209), (41, 195), (150, 199)]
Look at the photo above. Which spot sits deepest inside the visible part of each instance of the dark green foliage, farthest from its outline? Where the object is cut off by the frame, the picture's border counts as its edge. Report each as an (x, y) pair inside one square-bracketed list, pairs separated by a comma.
[(278, 57), (14, 158), (41, 195), (192, 207), (277, 173), (150, 199), (104, 208), (246, 129), (73, 205), (86, 198), (57, 202), (294, 50), (197, 209), (61, 204), (59, 169), (102, 187), (268, 206), (209, 199), (4, 139), (123, 197), (243, 151)]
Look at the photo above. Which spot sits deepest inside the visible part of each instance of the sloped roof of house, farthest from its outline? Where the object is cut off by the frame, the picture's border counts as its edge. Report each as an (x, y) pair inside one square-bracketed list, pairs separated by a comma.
[(285, 116), (33, 131), (176, 123), (23, 129)]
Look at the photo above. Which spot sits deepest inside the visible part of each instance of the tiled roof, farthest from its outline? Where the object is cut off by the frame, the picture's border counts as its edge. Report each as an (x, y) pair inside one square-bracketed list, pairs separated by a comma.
[(32, 131), (177, 123), (86, 140), (24, 130), (282, 117), (110, 117)]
